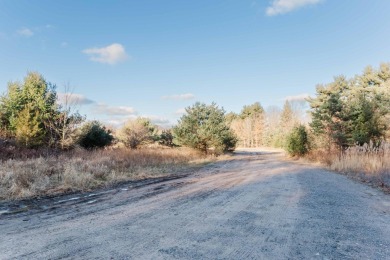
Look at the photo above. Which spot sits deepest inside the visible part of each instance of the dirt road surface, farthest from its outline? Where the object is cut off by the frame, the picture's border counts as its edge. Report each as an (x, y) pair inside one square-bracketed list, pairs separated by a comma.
[(255, 205)]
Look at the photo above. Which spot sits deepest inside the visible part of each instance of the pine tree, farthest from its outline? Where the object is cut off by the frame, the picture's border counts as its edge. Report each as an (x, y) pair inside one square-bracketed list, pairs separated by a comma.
[(29, 131), (204, 127), (356, 111), (297, 141), (367, 125), (94, 135), (329, 114), (253, 110), (34, 93)]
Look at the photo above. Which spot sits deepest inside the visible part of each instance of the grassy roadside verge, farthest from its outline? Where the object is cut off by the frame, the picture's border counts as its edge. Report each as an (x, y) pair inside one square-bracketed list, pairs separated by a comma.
[(87, 170), (368, 164)]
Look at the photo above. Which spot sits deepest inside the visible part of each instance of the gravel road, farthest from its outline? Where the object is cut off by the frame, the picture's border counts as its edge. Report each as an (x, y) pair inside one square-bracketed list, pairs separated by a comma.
[(255, 205)]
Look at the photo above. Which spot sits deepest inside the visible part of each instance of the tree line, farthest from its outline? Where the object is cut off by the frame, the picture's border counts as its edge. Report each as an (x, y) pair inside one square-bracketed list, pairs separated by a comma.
[(354, 111), (32, 117), (344, 113), (255, 127)]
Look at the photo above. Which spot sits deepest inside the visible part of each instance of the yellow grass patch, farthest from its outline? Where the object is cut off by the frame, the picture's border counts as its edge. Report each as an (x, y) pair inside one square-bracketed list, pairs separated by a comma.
[(82, 170)]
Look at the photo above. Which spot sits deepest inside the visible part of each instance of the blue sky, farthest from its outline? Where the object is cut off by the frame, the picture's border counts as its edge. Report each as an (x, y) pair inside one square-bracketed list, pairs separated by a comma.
[(153, 58)]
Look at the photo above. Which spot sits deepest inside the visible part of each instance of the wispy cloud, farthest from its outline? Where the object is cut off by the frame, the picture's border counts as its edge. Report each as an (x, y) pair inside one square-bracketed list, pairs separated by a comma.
[(31, 31), (300, 97), (158, 120), (64, 44), (120, 121), (284, 6), (104, 109), (180, 111), (73, 99), (26, 32), (186, 96), (110, 54)]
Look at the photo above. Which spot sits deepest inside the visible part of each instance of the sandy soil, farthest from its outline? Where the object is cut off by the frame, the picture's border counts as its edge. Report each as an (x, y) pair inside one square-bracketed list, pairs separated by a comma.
[(255, 205)]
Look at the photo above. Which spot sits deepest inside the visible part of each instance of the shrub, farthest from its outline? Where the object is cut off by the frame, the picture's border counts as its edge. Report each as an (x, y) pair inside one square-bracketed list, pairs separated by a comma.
[(204, 127), (166, 138), (297, 141), (94, 135), (137, 132)]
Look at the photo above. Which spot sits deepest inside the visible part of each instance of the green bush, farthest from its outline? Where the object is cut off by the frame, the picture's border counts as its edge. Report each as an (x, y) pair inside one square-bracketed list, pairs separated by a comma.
[(94, 135), (166, 138), (203, 127), (297, 141)]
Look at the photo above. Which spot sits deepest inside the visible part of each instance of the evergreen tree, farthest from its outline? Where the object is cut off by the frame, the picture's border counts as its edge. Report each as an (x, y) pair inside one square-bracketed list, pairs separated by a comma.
[(253, 110), (204, 127), (36, 94), (29, 131), (367, 125), (328, 113), (229, 117), (94, 135), (166, 138), (356, 111), (297, 141)]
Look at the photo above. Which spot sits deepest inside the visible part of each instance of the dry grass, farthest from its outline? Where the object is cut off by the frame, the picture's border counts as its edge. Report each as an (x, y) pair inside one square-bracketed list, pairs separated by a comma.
[(85, 170), (367, 163)]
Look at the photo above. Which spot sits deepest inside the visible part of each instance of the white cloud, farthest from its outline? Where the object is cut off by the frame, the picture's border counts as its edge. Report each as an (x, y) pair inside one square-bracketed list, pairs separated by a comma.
[(110, 54), (120, 121), (73, 99), (28, 32), (180, 111), (180, 96), (285, 6), (162, 121), (25, 32), (104, 109), (300, 97)]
